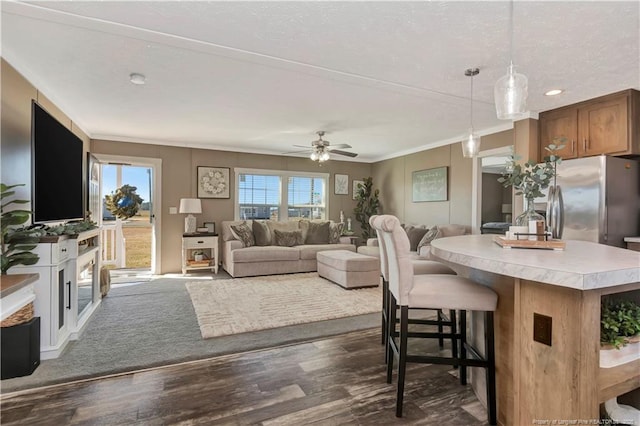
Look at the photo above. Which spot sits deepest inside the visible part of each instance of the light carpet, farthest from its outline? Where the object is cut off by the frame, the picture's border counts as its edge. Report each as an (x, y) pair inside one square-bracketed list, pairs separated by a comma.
[(240, 305)]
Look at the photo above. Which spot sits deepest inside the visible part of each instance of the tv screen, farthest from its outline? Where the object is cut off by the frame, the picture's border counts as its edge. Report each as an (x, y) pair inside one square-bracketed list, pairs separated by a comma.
[(57, 156)]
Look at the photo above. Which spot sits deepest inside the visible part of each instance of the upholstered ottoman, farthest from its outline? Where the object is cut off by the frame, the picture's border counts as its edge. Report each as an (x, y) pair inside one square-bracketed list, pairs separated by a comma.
[(349, 269)]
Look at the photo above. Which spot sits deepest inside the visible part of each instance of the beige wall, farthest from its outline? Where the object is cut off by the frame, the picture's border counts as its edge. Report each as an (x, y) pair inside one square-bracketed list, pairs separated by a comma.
[(15, 142), (179, 169), (393, 177)]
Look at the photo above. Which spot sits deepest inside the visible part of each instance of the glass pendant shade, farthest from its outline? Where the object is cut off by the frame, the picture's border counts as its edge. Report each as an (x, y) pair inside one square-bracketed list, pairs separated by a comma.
[(324, 156), (510, 95), (471, 145), (314, 155)]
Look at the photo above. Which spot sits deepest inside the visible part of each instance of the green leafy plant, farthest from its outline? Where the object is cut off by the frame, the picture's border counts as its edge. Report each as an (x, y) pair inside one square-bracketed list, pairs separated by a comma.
[(17, 242), (71, 228), (123, 203), (619, 320), (368, 205), (531, 177)]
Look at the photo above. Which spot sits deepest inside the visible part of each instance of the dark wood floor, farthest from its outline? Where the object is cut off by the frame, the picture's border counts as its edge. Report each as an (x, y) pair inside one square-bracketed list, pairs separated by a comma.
[(337, 381)]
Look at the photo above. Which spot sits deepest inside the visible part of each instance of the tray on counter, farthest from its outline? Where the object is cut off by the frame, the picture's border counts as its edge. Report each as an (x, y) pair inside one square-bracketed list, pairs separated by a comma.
[(531, 244)]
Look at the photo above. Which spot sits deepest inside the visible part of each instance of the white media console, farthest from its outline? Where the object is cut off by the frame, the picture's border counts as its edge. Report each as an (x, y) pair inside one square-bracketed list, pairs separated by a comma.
[(68, 289)]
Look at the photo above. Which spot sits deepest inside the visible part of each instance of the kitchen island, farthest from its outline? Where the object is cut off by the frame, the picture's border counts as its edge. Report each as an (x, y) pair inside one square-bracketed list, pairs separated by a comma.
[(547, 324)]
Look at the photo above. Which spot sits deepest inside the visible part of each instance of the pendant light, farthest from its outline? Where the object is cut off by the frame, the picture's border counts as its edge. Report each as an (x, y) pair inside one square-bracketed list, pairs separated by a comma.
[(471, 145), (510, 92)]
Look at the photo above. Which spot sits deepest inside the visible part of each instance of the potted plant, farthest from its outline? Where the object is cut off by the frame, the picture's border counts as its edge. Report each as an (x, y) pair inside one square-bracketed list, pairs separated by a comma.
[(16, 243), (367, 206), (619, 323), (530, 178), (198, 255)]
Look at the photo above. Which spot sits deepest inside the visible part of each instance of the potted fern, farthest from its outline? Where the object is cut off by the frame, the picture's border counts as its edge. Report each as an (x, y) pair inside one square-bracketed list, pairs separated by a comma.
[(16, 243)]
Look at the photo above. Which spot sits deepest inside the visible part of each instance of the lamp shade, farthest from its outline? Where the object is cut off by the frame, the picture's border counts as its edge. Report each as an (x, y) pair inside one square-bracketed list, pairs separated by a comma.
[(190, 205), (471, 145)]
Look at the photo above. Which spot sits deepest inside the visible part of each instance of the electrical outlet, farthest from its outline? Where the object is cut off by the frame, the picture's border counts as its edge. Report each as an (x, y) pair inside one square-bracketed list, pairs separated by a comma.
[(542, 329), (173, 210)]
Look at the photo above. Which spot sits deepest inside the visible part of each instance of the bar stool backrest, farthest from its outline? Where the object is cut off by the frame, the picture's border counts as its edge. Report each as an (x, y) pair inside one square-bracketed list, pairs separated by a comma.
[(400, 265), (384, 263)]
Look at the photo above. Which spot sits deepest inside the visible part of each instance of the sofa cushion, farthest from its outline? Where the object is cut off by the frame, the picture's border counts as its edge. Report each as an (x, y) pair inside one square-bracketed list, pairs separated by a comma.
[(261, 233), (288, 238), (265, 254), (243, 233), (335, 232), (415, 234), (227, 234), (452, 230), (318, 233), (285, 226), (308, 252), (431, 235)]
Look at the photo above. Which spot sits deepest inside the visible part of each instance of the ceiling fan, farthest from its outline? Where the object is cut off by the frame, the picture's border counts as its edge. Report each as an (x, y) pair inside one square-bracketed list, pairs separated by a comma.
[(320, 149)]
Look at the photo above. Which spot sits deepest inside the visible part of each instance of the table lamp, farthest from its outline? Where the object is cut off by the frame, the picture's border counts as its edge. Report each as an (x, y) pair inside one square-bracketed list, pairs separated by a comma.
[(190, 205)]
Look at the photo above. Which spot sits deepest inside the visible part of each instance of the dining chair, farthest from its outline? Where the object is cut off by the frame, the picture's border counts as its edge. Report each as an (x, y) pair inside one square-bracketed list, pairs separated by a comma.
[(434, 291)]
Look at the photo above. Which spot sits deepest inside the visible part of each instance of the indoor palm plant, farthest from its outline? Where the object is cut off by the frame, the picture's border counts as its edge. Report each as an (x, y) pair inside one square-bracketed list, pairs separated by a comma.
[(368, 205), (530, 178)]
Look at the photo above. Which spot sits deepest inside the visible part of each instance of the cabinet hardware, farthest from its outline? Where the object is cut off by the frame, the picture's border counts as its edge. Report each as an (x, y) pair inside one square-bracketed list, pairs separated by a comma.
[(573, 146), (69, 295), (584, 144), (200, 242)]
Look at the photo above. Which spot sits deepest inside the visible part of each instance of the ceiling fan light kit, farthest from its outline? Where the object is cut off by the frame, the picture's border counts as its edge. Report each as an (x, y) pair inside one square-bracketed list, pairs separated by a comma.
[(471, 145), (510, 92), (321, 149)]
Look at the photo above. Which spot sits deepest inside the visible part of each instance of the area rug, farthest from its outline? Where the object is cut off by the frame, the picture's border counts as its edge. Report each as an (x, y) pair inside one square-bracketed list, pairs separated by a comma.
[(240, 305)]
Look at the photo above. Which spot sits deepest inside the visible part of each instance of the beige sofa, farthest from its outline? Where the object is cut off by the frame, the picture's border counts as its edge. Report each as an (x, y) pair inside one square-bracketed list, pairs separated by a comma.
[(420, 238), (278, 247)]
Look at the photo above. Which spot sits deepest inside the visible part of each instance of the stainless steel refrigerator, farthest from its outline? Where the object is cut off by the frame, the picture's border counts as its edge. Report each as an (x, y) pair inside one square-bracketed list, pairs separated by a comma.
[(598, 200)]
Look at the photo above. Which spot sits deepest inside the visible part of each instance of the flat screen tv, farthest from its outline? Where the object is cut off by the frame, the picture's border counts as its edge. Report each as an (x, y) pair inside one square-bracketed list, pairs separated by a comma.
[(56, 167)]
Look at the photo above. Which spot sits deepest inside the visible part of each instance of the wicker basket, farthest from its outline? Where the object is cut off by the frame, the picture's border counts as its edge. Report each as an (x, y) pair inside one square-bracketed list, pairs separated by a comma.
[(25, 314)]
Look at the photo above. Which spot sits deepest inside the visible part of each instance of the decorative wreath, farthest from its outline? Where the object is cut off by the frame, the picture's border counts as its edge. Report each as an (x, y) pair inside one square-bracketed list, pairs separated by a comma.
[(124, 202), (213, 182)]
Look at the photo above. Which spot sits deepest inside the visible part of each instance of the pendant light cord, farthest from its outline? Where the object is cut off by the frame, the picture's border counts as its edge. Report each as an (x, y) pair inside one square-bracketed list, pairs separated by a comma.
[(511, 33), (471, 103)]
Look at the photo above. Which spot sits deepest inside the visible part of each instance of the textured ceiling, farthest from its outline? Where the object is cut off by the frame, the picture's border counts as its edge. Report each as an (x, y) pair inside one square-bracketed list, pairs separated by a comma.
[(385, 77)]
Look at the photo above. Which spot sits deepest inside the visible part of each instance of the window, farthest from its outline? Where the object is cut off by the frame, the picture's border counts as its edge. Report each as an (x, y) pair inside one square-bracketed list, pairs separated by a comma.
[(280, 195)]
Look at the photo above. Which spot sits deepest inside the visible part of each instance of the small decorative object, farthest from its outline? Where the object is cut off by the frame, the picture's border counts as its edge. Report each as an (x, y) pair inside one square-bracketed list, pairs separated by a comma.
[(123, 203), (368, 205), (619, 322), (189, 206), (341, 216), (213, 182), (529, 179), (341, 184), (16, 243), (202, 229), (198, 255), (429, 185), (211, 227), (349, 225)]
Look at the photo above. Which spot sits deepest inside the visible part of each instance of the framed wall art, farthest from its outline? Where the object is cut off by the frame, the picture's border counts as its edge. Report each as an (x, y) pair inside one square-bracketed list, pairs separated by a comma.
[(341, 186), (429, 185), (355, 187), (213, 182)]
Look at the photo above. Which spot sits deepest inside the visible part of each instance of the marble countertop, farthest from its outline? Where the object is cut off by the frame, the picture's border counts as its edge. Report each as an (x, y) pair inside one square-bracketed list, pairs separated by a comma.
[(582, 265)]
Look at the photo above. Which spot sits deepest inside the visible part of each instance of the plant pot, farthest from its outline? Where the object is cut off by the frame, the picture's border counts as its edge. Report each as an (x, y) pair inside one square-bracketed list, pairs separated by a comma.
[(198, 257), (612, 357)]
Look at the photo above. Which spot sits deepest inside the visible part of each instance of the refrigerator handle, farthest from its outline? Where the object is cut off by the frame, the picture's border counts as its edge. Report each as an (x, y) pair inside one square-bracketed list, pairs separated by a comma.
[(558, 213), (549, 213)]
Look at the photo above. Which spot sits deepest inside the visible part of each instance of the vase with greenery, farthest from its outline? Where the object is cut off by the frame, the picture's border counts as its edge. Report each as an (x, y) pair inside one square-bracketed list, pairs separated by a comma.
[(17, 242), (530, 178), (619, 322), (368, 204)]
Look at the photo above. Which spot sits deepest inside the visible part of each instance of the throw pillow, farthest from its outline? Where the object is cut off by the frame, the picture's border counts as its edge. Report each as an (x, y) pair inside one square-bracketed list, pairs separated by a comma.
[(415, 234), (304, 227), (288, 238), (318, 233), (261, 233), (431, 235), (335, 232), (243, 233), (285, 225)]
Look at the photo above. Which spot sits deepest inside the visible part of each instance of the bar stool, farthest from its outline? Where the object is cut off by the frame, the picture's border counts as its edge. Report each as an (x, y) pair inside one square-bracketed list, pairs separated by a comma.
[(420, 267), (434, 291)]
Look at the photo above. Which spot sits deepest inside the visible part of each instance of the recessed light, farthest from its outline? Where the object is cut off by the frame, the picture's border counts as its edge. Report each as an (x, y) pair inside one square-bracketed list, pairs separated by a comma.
[(553, 92), (136, 78)]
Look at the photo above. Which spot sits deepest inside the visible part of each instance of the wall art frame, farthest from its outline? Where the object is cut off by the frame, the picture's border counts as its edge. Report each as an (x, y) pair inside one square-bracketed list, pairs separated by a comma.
[(430, 185), (341, 185), (213, 182)]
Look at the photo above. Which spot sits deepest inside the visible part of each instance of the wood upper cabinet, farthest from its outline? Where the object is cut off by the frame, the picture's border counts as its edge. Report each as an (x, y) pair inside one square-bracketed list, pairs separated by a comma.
[(605, 125)]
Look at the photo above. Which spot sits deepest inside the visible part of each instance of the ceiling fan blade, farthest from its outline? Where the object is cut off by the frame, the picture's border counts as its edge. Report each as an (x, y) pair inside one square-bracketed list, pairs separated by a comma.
[(347, 153), (297, 152), (302, 146), (338, 146)]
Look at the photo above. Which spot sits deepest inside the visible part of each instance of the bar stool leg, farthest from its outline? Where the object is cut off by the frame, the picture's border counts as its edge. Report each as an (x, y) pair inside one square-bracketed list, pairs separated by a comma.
[(402, 358), (440, 329), (385, 302), (454, 338), (391, 328), (463, 349), (491, 367)]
